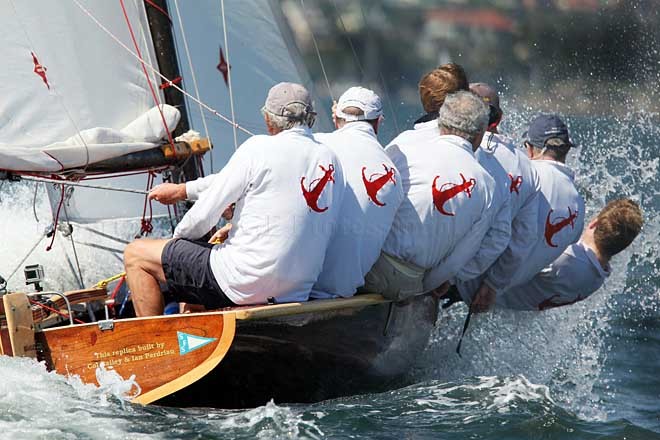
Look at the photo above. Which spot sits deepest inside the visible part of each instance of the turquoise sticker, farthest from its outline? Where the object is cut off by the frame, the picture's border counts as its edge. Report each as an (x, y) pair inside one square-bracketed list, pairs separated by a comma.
[(188, 343)]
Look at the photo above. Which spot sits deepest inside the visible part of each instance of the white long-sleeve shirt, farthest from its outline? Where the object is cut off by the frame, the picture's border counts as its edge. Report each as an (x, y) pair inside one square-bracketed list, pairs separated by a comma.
[(560, 219), (498, 236), (288, 190), (572, 277), (524, 190), (373, 195), (447, 195)]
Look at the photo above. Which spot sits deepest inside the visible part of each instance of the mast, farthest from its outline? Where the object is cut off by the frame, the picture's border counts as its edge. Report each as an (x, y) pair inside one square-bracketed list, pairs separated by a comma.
[(160, 26)]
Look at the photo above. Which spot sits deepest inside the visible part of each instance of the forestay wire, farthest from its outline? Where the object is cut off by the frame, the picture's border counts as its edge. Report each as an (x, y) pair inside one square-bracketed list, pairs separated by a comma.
[(318, 53)]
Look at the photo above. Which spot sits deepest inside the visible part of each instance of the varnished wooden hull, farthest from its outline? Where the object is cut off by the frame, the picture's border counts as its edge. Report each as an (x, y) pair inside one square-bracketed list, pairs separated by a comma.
[(313, 357), (239, 357)]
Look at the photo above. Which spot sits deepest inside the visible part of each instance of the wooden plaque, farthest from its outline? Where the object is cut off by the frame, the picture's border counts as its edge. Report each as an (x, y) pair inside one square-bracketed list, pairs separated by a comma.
[(163, 353)]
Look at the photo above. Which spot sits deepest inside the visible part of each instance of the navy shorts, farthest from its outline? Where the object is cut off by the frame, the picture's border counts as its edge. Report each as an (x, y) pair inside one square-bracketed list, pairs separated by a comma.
[(188, 274)]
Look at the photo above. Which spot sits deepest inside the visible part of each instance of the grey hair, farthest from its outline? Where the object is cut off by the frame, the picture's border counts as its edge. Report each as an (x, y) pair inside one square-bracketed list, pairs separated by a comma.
[(295, 114), (464, 114)]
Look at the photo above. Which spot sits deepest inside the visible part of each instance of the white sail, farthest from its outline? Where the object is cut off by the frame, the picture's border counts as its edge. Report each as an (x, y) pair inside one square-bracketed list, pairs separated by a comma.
[(260, 52), (69, 88), (97, 84)]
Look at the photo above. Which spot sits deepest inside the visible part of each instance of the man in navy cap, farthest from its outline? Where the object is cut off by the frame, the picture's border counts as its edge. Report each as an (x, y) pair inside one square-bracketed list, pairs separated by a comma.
[(560, 216)]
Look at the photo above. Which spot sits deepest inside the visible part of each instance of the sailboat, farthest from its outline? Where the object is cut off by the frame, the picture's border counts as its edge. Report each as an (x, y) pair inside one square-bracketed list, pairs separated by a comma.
[(97, 105)]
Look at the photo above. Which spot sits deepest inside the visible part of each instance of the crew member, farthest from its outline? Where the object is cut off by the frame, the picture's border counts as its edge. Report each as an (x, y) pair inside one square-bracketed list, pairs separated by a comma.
[(447, 195), (522, 185), (373, 194), (434, 88), (287, 188), (583, 267), (560, 214)]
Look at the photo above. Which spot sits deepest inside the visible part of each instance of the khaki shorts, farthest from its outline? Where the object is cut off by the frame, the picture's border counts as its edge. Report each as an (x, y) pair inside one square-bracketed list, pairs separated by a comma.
[(395, 279)]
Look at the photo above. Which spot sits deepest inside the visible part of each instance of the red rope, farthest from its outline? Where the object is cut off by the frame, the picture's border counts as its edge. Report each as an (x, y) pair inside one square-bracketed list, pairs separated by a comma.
[(56, 220), (44, 306), (168, 84), (146, 227), (158, 8), (144, 69), (115, 291)]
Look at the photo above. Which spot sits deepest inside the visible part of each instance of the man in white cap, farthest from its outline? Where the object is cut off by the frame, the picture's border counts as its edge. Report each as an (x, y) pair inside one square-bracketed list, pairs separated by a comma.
[(287, 188), (443, 217), (373, 194), (522, 185), (560, 213)]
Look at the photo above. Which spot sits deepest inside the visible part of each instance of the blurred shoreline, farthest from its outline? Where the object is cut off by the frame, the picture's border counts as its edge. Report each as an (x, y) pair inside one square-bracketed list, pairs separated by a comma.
[(578, 57)]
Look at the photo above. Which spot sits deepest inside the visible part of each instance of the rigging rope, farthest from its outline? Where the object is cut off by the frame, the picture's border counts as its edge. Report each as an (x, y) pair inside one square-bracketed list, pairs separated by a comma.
[(146, 74), (56, 219), (192, 74), (13, 272), (51, 309), (359, 64), (70, 183), (104, 283), (318, 54), (231, 93), (75, 252), (158, 8), (118, 41), (146, 227)]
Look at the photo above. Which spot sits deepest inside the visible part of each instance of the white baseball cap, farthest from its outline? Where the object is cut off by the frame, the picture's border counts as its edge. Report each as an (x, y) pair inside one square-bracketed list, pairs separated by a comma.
[(364, 99)]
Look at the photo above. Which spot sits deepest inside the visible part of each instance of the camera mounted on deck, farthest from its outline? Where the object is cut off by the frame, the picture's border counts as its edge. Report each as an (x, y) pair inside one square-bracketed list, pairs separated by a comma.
[(34, 274)]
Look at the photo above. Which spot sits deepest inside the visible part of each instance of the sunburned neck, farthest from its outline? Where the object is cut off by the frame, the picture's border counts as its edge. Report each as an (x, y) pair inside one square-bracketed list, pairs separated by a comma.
[(591, 244)]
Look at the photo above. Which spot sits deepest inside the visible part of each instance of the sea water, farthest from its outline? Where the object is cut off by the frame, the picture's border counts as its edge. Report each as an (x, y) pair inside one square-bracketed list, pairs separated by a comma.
[(587, 371)]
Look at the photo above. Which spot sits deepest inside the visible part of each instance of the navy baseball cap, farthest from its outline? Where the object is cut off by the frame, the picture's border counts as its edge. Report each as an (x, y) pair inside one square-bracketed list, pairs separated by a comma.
[(546, 127)]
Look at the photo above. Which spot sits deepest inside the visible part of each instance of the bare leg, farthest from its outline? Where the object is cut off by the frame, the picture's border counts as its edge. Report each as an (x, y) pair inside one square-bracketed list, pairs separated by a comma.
[(142, 259)]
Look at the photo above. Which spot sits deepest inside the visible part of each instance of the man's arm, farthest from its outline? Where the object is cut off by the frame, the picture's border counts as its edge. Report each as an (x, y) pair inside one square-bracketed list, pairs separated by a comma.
[(196, 187), (170, 193), (494, 243), (524, 236), (226, 187), (459, 256)]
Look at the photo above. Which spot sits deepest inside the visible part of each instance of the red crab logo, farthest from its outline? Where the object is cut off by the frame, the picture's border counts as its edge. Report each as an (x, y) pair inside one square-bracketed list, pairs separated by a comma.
[(551, 229), (313, 193), (515, 183), (40, 70), (450, 190), (378, 182)]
